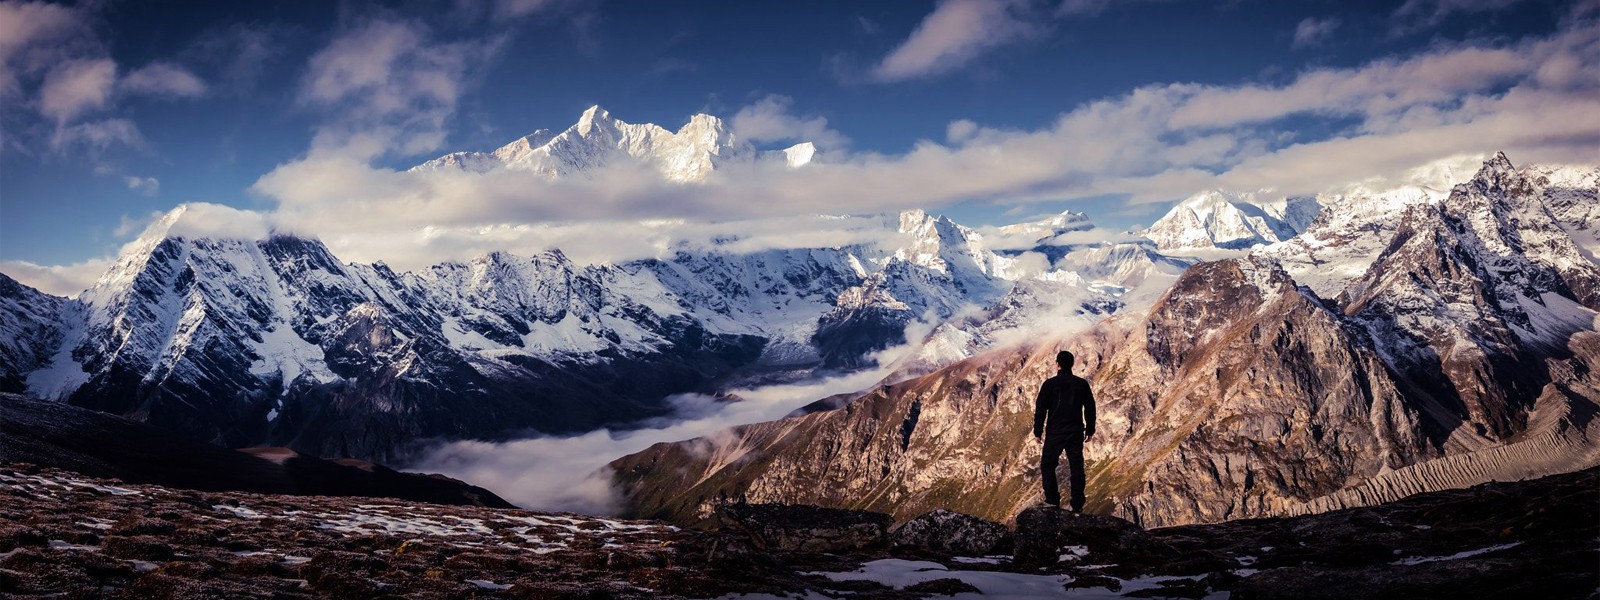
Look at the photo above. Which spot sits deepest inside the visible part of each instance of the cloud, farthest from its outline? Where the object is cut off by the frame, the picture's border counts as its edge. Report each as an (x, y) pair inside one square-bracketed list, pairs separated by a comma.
[(148, 186), (97, 136), (25, 30), (1313, 31), (669, 65), (60, 280), (76, 87), (164, 80), (1156, 143), (770, 120), (54, 66), (415, 219), (955, 33), (389, 86), (236, 55), (552, 473), (1082, 7), (207, 220), (1431, 12), (522, 8)]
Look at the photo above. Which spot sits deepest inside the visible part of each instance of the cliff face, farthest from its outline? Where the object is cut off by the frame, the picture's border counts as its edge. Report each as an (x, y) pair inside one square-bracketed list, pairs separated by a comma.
[(1464, 352)]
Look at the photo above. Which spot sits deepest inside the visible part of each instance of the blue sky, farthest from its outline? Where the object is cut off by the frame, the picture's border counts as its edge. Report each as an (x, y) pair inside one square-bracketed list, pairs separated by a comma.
[(117, 110)]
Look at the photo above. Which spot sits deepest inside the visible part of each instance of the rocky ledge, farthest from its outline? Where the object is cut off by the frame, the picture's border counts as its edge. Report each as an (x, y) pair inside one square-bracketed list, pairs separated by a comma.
[(65, 534)]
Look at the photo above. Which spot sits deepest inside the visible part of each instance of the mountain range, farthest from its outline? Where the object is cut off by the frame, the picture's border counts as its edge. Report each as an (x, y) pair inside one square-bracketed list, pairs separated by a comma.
[(1335, 350), (688, 155), (1407, 341), (275, 341)]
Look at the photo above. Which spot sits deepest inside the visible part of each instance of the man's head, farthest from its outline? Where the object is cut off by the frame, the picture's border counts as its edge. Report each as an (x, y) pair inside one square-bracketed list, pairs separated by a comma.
[(1064, 360)]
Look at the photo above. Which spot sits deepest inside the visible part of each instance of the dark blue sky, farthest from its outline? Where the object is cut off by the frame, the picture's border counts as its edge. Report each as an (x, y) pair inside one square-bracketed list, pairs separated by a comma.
[(69, 194)]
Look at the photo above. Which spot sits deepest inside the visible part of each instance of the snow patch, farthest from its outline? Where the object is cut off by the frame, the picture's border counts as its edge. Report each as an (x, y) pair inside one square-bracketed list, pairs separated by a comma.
[(1417, 560)]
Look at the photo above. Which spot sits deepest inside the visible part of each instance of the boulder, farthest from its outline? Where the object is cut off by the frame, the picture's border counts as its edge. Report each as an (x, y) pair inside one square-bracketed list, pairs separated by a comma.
[(1044, 534), (799, 528), (950, 532)]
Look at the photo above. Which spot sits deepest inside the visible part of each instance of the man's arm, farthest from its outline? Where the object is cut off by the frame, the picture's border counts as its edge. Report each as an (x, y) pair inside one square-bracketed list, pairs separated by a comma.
[(1041, 409), (1088, 410)]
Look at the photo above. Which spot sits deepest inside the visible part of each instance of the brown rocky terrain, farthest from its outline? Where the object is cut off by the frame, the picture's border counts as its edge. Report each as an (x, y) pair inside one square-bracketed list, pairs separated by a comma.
[(67, 535)]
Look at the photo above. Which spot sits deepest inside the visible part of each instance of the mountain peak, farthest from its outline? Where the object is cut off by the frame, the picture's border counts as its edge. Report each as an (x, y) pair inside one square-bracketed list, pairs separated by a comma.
[(594, 115), (708, 131), (597, 138), (704, 120), (1208, 201), (1497, 164), (205, 220), (800, 154), (1216, 218), (162, 226)]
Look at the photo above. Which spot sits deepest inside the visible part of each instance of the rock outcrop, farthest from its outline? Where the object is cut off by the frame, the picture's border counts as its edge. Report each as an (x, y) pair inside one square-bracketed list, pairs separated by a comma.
[(1047, 535), (794, 528), (951, 532)]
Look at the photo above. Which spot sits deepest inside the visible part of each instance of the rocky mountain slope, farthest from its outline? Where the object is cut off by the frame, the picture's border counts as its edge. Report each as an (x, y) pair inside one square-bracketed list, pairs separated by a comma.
[(1464, 351), (275, 341), (65, 534)]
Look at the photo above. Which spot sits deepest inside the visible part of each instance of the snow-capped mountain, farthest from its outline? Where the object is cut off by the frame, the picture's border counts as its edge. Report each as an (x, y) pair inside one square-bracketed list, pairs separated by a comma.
[(1455, 342), (1219, 219), (688, 155), (274, 340), (1061, 287)]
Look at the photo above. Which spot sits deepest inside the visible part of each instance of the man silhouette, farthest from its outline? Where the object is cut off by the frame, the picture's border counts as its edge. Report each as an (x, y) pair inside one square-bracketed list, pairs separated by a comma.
[(1063, 414)]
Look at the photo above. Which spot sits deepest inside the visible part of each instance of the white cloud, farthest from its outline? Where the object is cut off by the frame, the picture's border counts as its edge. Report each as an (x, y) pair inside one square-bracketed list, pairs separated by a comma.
[(956, 32), (1154, 144), (60, 280), (97, 136), (164, 79), (53, 64), (1313, 31), (960, 131), (207, 220), (553, 473), (76, 87), (770, 120), (1377, 88), (25, 27), (389, 86), (148, 186)]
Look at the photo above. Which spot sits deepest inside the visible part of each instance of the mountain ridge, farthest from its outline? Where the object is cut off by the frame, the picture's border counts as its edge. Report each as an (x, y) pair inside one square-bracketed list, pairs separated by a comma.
[(1460, 353), (597, 139), (270, 338)]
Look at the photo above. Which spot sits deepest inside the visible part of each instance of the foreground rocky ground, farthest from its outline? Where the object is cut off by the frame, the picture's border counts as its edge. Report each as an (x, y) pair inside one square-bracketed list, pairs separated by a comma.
[(68, 535)]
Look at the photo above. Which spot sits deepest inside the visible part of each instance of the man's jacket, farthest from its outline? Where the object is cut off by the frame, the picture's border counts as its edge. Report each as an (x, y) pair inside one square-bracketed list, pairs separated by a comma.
[(1064, 406)]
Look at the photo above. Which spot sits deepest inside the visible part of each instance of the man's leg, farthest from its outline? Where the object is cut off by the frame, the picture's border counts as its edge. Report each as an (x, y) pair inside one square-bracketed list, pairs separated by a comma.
[(1047, 471), (1075, 462)]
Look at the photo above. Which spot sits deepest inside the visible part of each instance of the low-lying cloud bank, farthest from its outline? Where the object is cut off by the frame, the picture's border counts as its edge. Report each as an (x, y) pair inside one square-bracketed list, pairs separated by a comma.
[(565, 473)]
